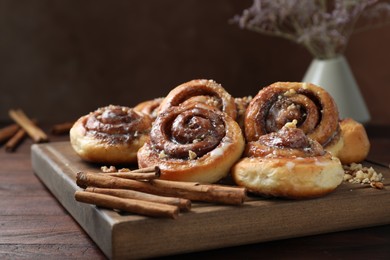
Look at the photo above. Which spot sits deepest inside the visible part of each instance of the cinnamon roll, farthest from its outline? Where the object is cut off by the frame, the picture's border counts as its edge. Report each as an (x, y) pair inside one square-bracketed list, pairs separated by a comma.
[(356, 144), (282, 102), (201, 91), (110, 135), (288, 164), (193, 142), (149, 107)]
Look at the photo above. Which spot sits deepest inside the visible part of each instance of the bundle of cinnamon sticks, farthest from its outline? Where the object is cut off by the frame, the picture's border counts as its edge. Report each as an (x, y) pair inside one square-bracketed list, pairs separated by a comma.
[(142, 192), (13, 134)]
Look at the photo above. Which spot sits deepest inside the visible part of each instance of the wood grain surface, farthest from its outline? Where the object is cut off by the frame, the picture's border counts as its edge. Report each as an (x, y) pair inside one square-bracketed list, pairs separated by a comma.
[(33, 225), (207, 226)]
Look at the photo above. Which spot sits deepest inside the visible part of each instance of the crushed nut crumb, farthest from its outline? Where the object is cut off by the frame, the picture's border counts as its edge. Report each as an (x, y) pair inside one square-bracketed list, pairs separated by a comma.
[(356, 173), (108, 169), (292, 124), (290, 93), (377, 185), (212, 101), (162, 155), (191, 155), (124, 170)]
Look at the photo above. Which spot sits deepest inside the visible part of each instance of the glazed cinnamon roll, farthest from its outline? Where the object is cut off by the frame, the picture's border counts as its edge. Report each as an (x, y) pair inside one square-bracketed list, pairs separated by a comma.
[(288, 164), (149, 107), (110, 135), (201, 91), (193, 142), (282, 102)]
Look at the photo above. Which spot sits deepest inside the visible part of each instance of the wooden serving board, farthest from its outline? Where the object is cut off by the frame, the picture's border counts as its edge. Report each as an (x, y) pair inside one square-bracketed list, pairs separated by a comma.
[(207, 226)]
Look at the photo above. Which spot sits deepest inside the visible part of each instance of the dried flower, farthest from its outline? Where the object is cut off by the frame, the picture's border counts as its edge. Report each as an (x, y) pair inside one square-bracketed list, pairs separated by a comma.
[(322, 26)]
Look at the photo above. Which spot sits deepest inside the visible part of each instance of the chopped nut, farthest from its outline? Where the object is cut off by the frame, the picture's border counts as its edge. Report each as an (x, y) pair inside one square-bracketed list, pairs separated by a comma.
[(212, 102), (289, 93), (162, 155), (191, 155), (108, 169), (347, 177), (377, 185), (124, 170), (292, 124), (356, 173)]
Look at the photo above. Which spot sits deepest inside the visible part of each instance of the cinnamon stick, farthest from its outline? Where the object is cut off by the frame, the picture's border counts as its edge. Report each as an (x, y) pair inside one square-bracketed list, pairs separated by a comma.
[(62, 128), (149, 173), (15, 140), (148, 169), (7, 132), (187, 190), (146, 208), (32, 130), (183, 204)]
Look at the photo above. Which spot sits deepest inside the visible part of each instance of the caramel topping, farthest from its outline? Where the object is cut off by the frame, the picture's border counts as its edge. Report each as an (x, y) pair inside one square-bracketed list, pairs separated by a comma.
[(287, 142)]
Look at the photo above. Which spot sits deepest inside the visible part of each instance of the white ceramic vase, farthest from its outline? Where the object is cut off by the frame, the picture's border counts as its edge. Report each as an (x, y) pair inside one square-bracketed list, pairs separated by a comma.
[(335, 76)]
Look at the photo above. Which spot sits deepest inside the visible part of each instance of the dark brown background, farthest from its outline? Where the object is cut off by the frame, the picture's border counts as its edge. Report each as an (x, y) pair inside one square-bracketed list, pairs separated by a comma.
[(62, 59)]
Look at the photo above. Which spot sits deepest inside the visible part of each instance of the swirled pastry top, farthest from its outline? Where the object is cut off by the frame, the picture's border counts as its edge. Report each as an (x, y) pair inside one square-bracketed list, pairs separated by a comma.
[(196, 128), (282, 102), (201, 91), (116, 124), (193, 142)]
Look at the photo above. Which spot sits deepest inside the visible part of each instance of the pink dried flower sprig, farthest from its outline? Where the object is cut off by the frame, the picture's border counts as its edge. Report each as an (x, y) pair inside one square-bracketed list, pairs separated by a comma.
[(322, 26)]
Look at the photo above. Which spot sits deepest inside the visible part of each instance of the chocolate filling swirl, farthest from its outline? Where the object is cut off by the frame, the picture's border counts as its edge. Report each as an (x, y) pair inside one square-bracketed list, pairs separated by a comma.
[(195, 127), (280, 103), (287, 142), (117, 124)]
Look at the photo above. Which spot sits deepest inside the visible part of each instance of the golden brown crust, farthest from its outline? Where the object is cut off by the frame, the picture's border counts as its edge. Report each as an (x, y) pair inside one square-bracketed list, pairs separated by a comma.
[(281, 102), (193, 142), (201, 91), (110, 135), (288, 164), (149, 107), (356, 144), (293, 178)]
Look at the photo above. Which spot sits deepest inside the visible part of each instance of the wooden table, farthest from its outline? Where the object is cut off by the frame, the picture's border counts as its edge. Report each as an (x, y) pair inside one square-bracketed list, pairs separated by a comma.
[(34, 225)]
